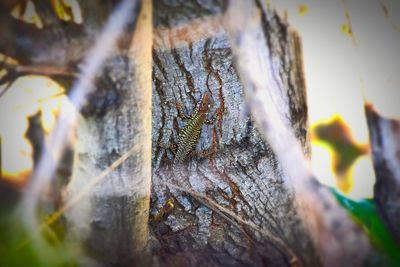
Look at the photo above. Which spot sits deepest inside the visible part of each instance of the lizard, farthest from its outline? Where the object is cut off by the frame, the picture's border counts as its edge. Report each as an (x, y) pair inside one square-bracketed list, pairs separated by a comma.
[(189, 136), (187, 140)]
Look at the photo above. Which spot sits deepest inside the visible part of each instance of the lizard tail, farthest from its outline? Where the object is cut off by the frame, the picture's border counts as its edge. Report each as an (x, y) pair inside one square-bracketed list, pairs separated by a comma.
[(179, 174)]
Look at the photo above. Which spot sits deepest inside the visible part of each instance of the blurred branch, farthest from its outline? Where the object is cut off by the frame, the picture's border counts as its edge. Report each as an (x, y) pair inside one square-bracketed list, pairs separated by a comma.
[(29, 45), (338, 246), (93, 13), (349, 28), (67, 117), (122, 200), (385, 144), (39, 70), (387, 15), (89, 186), (7, 80), (46, 13), (8, 4), (54, 217), (14, 71)]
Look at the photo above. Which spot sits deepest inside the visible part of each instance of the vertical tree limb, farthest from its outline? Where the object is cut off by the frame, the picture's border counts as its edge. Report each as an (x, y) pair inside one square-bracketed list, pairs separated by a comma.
[(385, 143), (336, 236), (111, 220), (44, 171)]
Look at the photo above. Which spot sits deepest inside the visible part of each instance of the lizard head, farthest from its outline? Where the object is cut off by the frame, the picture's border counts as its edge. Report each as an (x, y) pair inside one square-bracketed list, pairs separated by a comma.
[(205, 103)]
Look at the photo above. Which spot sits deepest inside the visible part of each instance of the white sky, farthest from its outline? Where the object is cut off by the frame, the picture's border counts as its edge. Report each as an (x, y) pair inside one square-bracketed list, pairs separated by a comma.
[(339, 75)]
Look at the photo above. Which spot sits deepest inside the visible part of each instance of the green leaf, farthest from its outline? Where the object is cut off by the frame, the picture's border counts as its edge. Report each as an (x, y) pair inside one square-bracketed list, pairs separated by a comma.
[(16, 248)]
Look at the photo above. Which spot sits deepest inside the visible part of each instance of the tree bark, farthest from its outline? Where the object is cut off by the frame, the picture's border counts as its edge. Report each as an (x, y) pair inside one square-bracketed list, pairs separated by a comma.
[(232, 165), (337, 238), (111, 220), (385, 143), (233, 206)]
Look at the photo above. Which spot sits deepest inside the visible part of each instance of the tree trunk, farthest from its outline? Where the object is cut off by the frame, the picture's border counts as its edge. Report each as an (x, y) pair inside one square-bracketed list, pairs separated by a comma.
[(232, 166), (111, 220)]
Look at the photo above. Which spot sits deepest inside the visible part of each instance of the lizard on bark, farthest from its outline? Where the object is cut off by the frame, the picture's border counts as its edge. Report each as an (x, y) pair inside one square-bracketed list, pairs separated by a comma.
[(189, 136), (187, 140)]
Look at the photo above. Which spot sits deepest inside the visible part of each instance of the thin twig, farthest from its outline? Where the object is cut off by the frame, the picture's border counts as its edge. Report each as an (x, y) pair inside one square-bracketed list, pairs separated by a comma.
[(350, 28), (40, 70), (6, 86), (56, 215), (385, 11), (89, 186)]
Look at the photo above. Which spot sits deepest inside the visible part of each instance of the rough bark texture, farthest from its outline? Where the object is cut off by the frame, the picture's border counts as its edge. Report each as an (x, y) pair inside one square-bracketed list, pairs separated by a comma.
[(232, 165), (385, 143), (338, 240)]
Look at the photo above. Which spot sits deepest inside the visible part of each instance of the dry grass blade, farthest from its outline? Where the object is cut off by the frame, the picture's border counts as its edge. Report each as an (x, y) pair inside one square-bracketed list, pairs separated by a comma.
[(55, 216), (95, 180)]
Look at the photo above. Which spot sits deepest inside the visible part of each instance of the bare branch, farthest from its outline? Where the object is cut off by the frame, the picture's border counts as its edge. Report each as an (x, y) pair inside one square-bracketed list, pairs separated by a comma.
[(338, 246), (10, 76), (89, 186), (7, 80), (14, 71), (93, 13), (349, 29), (39, 70), (46, 13), (30, 45), (385, 144), (67, 117)]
